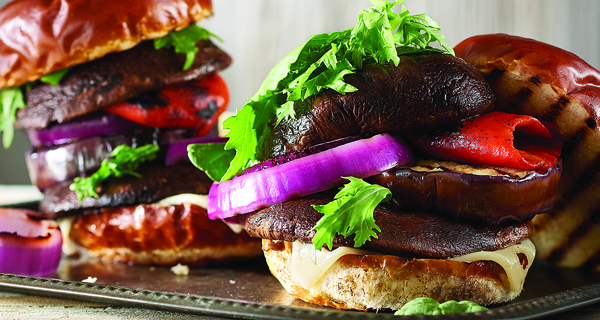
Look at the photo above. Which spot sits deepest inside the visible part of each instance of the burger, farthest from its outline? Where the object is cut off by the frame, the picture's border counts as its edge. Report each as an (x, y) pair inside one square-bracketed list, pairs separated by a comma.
[(374, 169), (110, 93)]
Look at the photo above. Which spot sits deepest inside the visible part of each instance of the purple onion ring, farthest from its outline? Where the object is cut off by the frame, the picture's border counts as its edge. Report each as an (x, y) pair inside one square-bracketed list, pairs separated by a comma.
[(94, 124), (307, 175)]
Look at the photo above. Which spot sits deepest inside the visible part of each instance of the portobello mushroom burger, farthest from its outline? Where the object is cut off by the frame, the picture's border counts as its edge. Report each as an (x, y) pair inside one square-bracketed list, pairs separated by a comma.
[(373, 168), (111, 93)]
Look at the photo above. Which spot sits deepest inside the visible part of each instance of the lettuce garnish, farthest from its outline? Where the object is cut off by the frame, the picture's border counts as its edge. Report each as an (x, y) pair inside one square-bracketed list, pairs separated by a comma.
[(212, 158), (11, 100), (184, 41), (55, 77), (351, 213), (321, 63), (124, 161), (428, 306)]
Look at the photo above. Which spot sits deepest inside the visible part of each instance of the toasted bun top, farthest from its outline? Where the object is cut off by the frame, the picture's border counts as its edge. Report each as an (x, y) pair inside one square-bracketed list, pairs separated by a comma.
[(38, 37), (550, 64)]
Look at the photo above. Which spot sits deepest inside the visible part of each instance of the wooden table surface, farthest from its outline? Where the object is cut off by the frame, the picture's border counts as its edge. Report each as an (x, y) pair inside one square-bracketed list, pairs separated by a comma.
[(20, 306)]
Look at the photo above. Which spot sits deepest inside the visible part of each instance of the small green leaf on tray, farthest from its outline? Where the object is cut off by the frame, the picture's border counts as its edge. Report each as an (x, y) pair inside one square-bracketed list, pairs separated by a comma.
[(428, 306)]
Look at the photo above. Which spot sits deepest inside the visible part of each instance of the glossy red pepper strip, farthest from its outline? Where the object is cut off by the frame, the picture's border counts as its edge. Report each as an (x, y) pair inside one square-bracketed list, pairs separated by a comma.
[(496, 138), (196, 105)]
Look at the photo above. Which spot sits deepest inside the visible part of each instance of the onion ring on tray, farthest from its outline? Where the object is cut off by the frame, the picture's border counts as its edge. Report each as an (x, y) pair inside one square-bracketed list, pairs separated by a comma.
[(28, 246), (310, 174)]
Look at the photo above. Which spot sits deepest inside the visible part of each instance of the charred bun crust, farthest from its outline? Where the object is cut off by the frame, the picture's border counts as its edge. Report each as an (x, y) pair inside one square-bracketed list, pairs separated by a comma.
[(534, 78), (38, 37)]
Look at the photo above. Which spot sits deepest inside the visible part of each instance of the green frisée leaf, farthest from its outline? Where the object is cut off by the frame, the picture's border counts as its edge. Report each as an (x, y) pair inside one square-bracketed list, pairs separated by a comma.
[(351, 213), (250, 123), (428, 306), (184, 41), (321, 63), (11, 100), (54, 78), (125, 160), (211, 158)]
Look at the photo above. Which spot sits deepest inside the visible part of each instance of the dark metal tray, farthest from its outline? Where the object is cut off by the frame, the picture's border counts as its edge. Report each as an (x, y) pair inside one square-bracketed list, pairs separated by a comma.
[(247, 290)]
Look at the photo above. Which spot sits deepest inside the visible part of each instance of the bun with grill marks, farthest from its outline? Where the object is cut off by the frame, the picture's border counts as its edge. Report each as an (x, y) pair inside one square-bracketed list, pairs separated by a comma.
[(534, 78)]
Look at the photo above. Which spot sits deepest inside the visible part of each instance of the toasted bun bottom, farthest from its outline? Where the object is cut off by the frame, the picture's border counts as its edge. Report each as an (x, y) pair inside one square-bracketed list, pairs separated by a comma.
[(375, 282), (166, 235)]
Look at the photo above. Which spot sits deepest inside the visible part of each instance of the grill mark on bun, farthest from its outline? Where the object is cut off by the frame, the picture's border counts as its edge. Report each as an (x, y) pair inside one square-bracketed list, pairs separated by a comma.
[(523, 94), (591, 123), (573, 142), (556, 109), (535, 80), (581, 183), (558, 254), (592, 262), (493, 77)]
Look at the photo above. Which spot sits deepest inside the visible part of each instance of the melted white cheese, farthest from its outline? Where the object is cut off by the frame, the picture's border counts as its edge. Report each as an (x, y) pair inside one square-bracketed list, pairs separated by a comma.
[(65, 225), (307, 273), (507, 258), (200, 200)]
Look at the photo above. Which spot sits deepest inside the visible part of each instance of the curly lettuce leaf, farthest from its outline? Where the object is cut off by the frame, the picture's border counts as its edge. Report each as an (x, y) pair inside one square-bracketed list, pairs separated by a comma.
[(351, 213), (11, 100), (125, 161), (322, 63), (184, 41)]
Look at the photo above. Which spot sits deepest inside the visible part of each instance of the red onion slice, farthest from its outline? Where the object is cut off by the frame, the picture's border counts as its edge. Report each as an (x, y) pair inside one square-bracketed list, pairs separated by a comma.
[(95, 124), (279, 160), (177, 151), (28, 246), (50, 165), (307, 175)]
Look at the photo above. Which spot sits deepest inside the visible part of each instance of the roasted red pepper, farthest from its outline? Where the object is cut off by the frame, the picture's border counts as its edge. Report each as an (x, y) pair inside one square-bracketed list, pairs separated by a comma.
[(196, 106), (496, 138)]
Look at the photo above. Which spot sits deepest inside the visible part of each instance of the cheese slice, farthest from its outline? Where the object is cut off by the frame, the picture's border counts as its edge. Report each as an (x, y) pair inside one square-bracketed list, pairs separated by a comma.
[(65, 224), (507, 258), (200, 200), (307, 273)]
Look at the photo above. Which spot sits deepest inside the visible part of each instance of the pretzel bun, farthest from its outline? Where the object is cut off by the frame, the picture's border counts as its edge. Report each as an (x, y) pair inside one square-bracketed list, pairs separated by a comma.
[(534, 78), (375, 282), (38, 37), (161, 234)]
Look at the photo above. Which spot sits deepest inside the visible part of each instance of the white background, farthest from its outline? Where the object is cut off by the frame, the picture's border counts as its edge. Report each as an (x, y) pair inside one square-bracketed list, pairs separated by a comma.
[(258, 33)]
